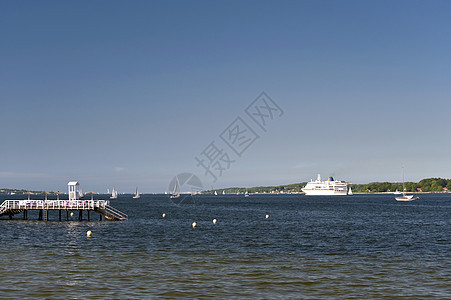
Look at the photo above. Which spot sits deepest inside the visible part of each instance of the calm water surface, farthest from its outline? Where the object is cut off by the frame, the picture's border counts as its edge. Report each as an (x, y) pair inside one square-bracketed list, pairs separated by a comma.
[(310, 247)]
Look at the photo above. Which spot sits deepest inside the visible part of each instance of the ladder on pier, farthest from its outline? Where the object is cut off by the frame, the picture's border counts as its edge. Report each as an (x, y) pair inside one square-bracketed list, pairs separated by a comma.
[(111, 213)]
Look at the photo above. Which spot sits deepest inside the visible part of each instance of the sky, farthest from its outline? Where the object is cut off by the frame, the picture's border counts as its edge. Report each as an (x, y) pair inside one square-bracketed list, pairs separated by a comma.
[(132, 93)]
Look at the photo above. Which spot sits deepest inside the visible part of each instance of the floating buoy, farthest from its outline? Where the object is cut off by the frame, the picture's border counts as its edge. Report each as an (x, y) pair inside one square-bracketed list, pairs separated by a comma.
[(88, 233), (194, 224), (214, 221), (267, 216), (71, 214), (163, 215)]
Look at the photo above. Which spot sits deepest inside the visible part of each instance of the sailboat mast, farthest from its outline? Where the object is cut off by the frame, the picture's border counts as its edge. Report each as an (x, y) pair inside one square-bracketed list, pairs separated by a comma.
[(403, 187), (176, 187)]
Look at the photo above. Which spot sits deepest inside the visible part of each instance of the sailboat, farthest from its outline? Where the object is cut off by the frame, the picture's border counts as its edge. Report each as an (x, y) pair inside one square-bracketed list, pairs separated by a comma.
[(176, 193), (246, 194), (113, 194), (136, 196), (350, 191), (404, 197), (216, 193), (223, 192)]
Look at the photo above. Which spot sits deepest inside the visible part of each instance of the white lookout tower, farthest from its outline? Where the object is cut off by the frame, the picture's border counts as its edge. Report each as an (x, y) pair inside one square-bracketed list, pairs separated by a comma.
[(74, 192)]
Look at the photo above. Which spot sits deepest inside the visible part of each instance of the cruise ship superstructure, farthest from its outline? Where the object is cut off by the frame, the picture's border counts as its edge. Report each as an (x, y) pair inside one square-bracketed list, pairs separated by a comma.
[(330, 187)]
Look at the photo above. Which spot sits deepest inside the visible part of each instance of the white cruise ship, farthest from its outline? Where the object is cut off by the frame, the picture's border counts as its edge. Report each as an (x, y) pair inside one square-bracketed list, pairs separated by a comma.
[(330, 187)]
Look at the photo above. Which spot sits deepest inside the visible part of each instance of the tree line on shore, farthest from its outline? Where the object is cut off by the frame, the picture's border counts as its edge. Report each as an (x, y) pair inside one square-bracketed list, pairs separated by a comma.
[(21, 191), (434, 185)]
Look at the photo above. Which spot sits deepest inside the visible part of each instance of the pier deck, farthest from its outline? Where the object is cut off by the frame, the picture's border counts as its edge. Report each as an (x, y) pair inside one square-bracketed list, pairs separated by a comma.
[(102, 207)]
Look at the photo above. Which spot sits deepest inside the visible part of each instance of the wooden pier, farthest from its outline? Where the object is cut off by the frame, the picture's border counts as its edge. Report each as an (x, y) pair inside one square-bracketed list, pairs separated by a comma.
[(102, 207)]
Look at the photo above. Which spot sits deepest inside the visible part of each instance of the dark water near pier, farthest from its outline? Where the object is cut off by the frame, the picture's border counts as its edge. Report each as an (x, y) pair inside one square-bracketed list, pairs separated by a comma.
[(310, 247)]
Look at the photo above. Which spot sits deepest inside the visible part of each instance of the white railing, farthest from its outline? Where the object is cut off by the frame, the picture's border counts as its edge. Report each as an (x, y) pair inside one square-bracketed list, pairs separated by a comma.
[(54, 204)]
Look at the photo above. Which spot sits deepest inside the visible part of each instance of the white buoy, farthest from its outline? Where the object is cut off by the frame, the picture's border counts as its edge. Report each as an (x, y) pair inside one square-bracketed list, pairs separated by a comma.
[(71, 214), (88, 233), (163, 215), (214, 221), (194, 224), (267, 216)]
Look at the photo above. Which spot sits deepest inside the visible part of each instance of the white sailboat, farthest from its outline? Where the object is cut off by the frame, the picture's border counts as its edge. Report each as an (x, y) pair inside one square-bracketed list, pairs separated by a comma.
[(404, 197), (176, 192), (113, 194), (246, 194), (350, 191), (223, 192), (216, 193), (136, 196)]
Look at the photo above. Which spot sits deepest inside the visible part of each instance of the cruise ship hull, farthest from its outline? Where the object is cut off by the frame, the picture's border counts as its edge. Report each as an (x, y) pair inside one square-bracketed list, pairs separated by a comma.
[(324, 193)]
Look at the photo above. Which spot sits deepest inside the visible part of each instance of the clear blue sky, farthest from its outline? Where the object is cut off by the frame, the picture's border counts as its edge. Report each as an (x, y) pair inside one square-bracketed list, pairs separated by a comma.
[(128, 93)]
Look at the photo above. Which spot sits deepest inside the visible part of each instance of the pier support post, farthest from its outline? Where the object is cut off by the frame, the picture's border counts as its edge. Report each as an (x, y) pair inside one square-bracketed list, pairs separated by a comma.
[(80, 215), (67, 215), (40, 215), (60, 214), (25, 214), (100, 217), (89, 219), (10, 216)]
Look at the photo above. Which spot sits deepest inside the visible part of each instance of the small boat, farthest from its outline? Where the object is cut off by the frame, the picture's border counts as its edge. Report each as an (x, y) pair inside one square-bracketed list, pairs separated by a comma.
[(350, 191), (113, 194), (223, 192), (404, 197), (246, 194), (216, 193), (175, 193), (397, 192), (136, 196)]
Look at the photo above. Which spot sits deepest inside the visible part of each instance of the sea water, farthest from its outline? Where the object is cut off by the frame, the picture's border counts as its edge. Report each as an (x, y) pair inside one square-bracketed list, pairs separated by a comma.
[(360, 246)]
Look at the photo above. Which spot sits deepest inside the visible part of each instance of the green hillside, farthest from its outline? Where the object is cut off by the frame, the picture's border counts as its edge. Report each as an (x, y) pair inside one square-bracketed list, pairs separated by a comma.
[(425, 185)]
